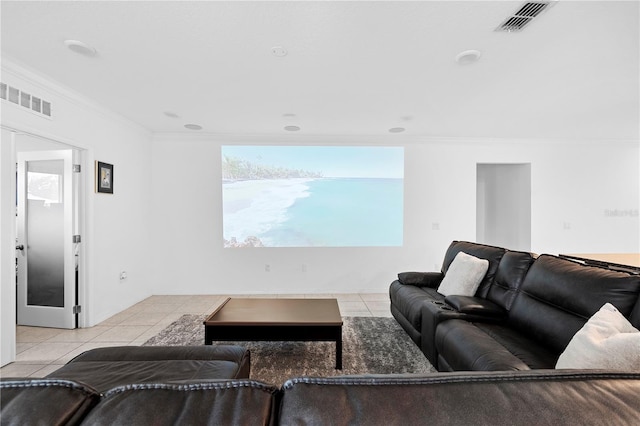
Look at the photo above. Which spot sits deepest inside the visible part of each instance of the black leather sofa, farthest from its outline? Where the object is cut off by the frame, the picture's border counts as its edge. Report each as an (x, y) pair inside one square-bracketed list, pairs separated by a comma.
[(106, 368), (520, 319), (540, 397), (522, 316)]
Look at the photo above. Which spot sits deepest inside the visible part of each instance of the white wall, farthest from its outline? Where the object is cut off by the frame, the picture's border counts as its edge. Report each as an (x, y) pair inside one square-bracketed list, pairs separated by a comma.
[(116, 230), (605, 178), (7, 250), (572, 183)]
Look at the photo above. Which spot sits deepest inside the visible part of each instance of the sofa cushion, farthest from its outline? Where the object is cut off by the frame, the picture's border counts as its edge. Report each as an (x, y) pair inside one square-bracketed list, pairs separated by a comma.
[(486, 347), (607, 341), (523, 347), (25, 401), (463, 276), (104, 368), (634, 318), (558, 296)]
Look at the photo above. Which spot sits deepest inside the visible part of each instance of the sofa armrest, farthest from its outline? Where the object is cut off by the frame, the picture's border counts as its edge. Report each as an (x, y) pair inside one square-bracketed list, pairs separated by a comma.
[(421, 279), (475, 306)]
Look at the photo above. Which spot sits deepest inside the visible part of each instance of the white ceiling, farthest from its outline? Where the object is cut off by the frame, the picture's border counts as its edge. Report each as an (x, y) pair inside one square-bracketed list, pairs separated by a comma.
[(352, 68)]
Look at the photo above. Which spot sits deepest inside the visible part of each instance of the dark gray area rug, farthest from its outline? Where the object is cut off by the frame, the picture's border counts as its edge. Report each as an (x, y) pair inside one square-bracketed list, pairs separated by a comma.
[(371, 345)]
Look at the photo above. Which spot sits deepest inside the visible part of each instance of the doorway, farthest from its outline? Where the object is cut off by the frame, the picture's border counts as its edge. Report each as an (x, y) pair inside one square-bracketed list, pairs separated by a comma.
[(48, 239), (503, 205)]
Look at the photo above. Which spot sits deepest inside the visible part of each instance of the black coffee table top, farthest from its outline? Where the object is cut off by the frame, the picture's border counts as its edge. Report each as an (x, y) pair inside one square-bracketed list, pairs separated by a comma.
[(266, 311)]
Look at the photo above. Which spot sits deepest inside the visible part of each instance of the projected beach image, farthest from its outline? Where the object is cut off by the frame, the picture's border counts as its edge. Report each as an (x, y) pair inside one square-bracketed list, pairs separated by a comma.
[(312, 196)]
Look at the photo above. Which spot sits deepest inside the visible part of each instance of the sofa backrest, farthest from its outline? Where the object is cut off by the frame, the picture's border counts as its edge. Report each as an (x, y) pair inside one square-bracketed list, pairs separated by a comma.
[(509, 277), (25, 401), (533, 397), (634, 318), (558, 296), (482, 251), (220, 402)]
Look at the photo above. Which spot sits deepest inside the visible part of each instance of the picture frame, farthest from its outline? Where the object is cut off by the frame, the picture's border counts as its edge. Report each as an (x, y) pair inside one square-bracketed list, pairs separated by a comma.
[(104, 178)]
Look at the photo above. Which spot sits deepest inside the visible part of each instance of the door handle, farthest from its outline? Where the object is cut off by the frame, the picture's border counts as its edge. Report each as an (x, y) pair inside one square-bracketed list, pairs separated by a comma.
[(20, 247)]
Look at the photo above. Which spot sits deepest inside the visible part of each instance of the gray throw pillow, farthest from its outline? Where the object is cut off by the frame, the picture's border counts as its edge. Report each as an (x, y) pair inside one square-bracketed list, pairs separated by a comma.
[(463, 276)]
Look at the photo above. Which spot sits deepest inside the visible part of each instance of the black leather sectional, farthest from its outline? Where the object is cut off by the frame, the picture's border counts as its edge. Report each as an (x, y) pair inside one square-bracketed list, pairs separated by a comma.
[(534, 397), (522, 316)]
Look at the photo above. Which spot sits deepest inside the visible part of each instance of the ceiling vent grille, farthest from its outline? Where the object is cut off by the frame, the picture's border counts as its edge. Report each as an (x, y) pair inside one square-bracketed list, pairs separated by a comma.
[(33, 103), (527, 13)]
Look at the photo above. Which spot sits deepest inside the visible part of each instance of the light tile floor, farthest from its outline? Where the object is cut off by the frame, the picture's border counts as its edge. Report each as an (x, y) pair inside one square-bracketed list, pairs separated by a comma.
[(40, 351)]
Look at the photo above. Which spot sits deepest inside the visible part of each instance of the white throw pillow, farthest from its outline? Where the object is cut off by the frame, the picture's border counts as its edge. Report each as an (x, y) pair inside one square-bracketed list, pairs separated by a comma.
[(463, 276), (606, 341)]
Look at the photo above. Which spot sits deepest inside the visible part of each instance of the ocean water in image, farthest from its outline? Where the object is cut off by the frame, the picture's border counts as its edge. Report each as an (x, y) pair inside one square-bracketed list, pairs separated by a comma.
[(334, 212)]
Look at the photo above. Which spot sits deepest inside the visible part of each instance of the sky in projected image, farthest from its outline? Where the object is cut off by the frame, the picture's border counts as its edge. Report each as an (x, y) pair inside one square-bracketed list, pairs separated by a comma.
[(312, 196)]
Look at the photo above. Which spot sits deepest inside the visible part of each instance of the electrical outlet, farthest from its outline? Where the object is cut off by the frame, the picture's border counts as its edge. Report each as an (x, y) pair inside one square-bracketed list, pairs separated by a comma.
[(123, 275), (267, 267)]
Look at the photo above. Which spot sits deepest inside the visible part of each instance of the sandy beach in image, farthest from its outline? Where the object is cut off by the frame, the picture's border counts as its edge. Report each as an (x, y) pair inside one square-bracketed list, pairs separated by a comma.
[(253, 207), (240, 195)]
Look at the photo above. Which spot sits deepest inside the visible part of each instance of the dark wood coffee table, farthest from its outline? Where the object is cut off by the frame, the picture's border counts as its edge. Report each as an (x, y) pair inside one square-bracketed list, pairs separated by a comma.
[(255, 319)]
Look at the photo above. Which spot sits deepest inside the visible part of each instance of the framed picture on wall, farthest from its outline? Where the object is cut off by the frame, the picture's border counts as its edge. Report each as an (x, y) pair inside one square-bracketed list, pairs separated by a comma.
[(104, 177)]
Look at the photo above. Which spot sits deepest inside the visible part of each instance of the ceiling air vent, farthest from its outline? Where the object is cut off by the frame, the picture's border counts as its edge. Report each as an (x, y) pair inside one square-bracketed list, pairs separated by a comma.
[(527, 13), (25, 100)]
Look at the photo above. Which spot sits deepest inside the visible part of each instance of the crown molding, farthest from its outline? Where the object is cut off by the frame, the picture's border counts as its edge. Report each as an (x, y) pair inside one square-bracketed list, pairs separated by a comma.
[(388, 140)]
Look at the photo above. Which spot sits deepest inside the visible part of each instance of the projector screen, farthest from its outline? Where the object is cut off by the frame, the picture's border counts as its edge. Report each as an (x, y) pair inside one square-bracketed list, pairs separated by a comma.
[(312, 196)]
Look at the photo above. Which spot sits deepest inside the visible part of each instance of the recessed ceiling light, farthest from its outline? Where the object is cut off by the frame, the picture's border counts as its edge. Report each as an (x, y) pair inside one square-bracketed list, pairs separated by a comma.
[(193, 126), (397, 130), (291, 128), (171, 114), (468, 57), (289, 115), (279, 51), (81, 48)]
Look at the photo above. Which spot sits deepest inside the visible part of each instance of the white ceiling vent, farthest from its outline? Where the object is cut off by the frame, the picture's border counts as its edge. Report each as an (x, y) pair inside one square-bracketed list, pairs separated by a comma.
[(33, 103), (527, 13)]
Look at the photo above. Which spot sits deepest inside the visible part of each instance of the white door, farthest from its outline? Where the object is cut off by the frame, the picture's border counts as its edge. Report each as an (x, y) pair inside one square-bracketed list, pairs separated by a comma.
[(45, 245)]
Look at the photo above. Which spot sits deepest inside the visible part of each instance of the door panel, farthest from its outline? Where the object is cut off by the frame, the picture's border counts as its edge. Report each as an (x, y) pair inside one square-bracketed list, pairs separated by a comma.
[(46, 262)]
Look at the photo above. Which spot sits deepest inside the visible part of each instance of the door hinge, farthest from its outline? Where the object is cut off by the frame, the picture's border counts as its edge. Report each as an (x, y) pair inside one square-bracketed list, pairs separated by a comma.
[(77, 239), (77, 168), (77, 309)]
